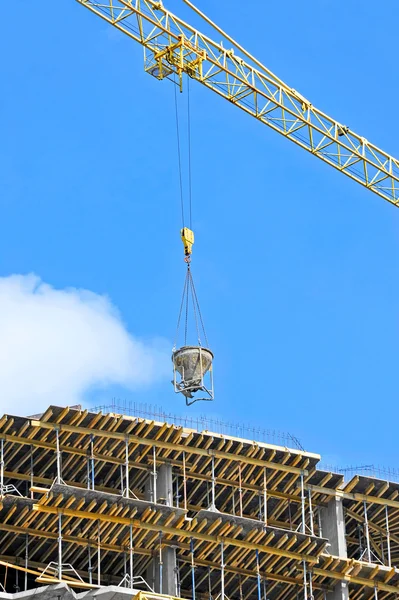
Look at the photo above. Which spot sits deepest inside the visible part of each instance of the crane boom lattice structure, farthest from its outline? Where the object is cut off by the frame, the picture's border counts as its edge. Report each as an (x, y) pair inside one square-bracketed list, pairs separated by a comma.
[(174, 47)]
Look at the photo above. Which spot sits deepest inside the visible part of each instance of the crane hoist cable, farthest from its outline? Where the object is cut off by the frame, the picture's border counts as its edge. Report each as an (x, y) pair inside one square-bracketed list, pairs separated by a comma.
[(179, 160), (192, 364)]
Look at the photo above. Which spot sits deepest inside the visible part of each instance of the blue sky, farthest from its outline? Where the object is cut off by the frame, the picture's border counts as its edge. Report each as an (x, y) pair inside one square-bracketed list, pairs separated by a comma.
[(296, 266)]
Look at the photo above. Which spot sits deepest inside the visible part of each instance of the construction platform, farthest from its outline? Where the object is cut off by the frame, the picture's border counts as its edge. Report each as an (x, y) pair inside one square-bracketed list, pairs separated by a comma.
[(105, 505)]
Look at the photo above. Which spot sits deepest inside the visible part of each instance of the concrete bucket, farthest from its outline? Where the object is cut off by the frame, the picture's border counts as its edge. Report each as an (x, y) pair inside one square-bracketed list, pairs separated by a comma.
[(192, 363)]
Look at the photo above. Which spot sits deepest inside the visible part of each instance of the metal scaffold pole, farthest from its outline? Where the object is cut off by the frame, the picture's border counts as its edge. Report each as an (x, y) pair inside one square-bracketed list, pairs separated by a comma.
[(127, 481), (1, 466), (58, 455), (303, 528), (60, 546)]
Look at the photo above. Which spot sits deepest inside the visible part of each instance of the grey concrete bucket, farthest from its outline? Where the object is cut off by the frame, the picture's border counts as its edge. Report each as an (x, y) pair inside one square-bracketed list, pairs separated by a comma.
[(192, 362)]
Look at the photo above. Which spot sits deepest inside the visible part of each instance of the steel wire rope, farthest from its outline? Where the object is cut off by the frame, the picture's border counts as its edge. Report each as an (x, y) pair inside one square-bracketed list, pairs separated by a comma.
[(194, 293), (187, 295), (194, 306), (179, 152), (180, 311), (189, 153)]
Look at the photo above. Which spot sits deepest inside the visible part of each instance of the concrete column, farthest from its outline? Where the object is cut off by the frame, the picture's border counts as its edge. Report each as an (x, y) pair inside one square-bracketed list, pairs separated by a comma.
[(333, 528), (164, 489)]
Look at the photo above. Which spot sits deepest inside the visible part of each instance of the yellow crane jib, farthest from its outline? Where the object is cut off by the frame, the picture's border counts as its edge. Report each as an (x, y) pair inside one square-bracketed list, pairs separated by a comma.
[(187, 237)]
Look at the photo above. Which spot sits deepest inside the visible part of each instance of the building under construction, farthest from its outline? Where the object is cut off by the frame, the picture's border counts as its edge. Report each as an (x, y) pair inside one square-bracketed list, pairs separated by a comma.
[(109, 505)]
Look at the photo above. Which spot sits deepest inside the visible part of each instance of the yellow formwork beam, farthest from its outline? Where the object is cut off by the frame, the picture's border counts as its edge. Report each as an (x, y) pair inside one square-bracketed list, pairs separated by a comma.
[(135, 439), (167, 530)]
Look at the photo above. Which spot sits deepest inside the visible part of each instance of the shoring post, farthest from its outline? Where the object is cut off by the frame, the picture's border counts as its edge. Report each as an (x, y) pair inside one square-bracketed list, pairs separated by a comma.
[(177, 492), (58, 455), (221, 571), (31, 471), (303, 504), (366, 526), (89, 568), (127, 467), (265, 496), (240, 487), (319, 519), (60, 546), (192, 568), (184, 482), (388, 536), (154, 474), (26, 560), (124, 565), (305, 589), (131, 556), (375, 593), (213, 504), (88, 471), (240, 588), (209, 584), (122, 478), (1, 466), (310, 512), (258, 575), (99, 554), (264, 589), (160, 563), (310, 585), (92, 461), (178, 586)]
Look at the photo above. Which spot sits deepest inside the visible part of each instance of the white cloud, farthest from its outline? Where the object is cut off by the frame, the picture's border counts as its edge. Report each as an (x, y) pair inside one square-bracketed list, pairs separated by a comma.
[(56, 344)]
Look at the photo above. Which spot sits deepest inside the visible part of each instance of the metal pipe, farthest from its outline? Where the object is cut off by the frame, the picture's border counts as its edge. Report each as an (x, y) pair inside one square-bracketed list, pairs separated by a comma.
[(60, 546), (264, 589), (131, 556), (366, 526), (58, 455), (240, 487), (388, 536), (160, 563), (1, 466), (265, 496), (310, 512), (122, 480), (178, 579), (258, 574), (154, 474), (192, 568), (305, 590), (222, 571), (26, 560), (127, 467), (184, 482), (99, 555), (92, 461), (209, 583), (319, 519), (88, 472), (177, 491), (303, 505), (213, 505), (31, 471), (89, 568)]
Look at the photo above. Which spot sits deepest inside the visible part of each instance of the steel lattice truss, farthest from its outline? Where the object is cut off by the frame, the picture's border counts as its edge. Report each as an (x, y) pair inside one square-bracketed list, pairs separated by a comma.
[(174, 47)]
